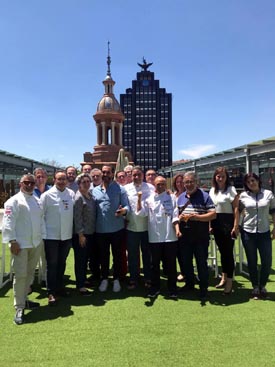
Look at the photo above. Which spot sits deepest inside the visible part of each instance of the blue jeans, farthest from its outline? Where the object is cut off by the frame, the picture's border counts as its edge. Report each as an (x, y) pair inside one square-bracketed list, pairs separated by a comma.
[(56, 254), (81, 255), (134, 240), (261, 242)]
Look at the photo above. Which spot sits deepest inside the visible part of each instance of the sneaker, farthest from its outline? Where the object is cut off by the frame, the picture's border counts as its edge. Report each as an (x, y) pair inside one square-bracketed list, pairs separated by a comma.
[(30, 305), (19, 316), (153, 293), (263, 292), (255, 294), (180, 278), (51, 300), (103, 285), (116, 286)]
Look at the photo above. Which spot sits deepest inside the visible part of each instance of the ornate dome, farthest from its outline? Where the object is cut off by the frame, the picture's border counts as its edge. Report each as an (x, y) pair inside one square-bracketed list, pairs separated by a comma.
[(108, 103)]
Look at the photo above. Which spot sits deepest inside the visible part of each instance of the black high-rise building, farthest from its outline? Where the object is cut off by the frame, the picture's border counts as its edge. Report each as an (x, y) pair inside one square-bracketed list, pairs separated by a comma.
[(147, 129)]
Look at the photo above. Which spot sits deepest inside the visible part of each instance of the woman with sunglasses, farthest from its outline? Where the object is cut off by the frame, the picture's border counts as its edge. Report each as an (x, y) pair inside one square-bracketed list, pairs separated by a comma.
[(256, 205), (84, 228)]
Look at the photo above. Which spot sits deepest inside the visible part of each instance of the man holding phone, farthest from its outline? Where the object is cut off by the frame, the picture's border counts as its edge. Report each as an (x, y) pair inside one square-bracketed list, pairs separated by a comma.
[(111, 207)]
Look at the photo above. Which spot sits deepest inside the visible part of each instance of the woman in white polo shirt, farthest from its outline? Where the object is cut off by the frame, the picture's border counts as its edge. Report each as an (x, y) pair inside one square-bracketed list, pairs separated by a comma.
[(226, 225), (256, 205)]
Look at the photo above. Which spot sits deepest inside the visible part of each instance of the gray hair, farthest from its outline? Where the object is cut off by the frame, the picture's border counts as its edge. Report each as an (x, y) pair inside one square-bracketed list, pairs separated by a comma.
[(94, 170), (40, 169), (81, 176), (27, 175), (128, 167), (190, 173)]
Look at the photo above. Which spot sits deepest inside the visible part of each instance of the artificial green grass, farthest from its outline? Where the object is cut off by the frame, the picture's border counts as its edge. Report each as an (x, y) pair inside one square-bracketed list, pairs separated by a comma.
[(128, 329)]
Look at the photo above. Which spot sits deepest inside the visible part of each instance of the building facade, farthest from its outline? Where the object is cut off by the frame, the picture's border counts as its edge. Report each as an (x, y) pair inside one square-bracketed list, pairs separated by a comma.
[(147, 129)]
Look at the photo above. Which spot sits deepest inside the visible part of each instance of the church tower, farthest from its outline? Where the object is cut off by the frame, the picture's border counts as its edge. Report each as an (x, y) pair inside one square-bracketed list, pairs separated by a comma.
[(109, 123)]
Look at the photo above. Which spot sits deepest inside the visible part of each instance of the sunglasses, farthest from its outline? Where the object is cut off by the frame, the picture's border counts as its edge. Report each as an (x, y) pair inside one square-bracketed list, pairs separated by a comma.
[(28, 183)]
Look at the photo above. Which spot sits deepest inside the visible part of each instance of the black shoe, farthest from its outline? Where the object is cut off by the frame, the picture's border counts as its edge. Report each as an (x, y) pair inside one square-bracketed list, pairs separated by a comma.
[(30, 305), (153, 293), (19, 316), (186, 288), (85, 293), (203, 294), (63, 293), (173, 295)]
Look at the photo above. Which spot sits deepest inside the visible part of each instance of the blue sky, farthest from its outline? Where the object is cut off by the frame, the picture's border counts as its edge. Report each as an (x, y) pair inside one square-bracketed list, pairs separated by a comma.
[(216, 57)]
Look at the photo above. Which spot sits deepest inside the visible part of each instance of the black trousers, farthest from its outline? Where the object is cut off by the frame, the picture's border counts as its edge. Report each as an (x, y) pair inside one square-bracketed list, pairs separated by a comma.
[(104, 240), (222, 227), (56, 254), (168, 252)]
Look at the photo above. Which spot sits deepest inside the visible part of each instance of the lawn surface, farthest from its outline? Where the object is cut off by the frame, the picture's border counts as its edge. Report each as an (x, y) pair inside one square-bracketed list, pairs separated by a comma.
[(127, 329)]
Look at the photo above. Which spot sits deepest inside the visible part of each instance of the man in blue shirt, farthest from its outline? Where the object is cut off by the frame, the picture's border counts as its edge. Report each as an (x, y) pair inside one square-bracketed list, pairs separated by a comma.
[(111, 207)]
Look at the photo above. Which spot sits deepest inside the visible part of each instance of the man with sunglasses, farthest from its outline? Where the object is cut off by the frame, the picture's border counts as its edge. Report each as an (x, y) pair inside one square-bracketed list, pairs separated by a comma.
[(24, 230)]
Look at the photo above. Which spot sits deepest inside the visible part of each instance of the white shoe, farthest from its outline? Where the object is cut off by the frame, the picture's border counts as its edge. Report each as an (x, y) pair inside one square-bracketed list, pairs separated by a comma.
[(116, 286), (103, 285)]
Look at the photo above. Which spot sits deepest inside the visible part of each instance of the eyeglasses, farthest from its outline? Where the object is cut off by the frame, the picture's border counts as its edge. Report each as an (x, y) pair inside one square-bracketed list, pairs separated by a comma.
[(85, 181), (28, 183), (121, 176), (188, 182)]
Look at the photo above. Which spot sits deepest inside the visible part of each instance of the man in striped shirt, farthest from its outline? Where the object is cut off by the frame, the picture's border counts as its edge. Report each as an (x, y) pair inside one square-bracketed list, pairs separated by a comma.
[(197, 209)]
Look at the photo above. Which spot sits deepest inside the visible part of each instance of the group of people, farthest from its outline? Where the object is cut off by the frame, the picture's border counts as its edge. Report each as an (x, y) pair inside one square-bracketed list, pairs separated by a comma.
[(130, 213)]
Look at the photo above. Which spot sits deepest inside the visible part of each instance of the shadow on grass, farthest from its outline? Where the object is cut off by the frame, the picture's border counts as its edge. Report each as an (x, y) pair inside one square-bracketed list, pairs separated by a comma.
[(47, 313)]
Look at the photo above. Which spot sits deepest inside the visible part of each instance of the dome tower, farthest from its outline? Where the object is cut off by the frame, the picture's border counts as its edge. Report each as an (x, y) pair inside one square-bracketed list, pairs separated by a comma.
[(109, 122)]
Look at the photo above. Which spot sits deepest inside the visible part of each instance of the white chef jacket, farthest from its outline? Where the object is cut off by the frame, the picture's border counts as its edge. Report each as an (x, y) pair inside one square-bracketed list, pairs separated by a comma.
[(137, 223), (162, 212), (58, 211), (23, 220)]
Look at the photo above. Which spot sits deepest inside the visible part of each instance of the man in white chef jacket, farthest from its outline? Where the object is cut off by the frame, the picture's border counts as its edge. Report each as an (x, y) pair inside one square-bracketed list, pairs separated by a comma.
[(24, 229), (57, 205), (163, 229)]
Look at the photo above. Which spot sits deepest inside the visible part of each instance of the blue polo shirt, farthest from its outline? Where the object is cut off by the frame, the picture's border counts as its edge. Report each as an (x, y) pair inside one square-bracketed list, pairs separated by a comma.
[(107, 203), (38, 193)]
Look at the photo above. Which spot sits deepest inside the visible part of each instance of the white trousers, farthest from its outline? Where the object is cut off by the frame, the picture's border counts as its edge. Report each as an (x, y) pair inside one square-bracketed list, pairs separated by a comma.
[(24, 265)]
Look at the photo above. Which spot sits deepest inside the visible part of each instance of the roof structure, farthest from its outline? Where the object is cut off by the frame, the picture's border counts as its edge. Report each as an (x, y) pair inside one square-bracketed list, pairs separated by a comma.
[(13, 164), (257, 156)]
